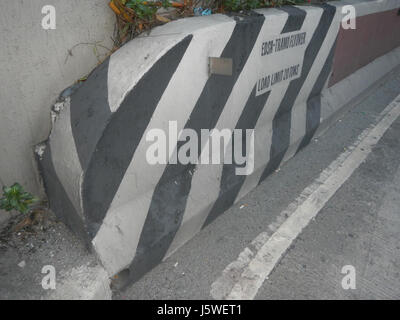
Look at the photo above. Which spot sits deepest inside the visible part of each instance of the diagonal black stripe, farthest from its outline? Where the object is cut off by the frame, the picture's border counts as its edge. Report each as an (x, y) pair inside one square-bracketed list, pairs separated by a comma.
[(121, 137), (59, 200), (313, 116), (295, 19), (281, 124), (90, 112), (231, 183), (170, 195)]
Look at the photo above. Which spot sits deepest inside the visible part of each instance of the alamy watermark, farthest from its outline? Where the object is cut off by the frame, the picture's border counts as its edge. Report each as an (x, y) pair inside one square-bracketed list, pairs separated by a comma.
[(349, 17), (211, 147), (49, 20), (349, 280), (49, 280)]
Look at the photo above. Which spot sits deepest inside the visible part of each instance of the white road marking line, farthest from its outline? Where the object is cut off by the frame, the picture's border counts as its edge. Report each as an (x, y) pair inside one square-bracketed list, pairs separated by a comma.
[(258, 260)]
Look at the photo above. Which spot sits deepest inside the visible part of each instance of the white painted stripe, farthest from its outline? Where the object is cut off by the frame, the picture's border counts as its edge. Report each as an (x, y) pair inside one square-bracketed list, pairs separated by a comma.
[(269, 250)]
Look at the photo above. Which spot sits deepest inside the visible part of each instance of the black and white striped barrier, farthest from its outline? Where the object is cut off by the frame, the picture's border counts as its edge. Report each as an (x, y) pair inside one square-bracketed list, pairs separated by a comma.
[(276, 63)]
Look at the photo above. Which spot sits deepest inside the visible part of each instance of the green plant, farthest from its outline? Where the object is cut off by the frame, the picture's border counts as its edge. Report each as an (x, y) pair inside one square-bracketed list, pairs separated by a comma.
[(166, 4), (238, 5), (15, 198), (142, 10), (146, 10), (233, 5)]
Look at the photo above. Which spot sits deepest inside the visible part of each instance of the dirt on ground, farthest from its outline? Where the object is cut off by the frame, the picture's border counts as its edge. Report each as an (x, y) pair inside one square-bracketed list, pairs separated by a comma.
[(27, 244)]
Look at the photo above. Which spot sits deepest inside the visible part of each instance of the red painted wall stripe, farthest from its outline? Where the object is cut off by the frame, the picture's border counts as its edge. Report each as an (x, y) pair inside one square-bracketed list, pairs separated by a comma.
[(375, 35)]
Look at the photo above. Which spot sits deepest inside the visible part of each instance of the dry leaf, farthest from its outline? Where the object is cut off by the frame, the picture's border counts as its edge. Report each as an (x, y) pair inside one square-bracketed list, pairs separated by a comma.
[(162, 19)]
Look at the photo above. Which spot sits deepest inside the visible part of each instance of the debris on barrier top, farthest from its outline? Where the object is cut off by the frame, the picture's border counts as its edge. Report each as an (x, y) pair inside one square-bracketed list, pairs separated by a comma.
[(137, 16), (202, 12)]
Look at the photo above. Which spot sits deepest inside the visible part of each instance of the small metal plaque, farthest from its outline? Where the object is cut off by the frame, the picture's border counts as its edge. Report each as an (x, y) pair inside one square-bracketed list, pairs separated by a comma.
[(221, 66)]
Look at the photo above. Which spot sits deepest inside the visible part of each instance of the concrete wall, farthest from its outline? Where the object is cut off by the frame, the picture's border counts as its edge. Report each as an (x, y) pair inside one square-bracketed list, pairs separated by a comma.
[(35, 67), (135, 214)]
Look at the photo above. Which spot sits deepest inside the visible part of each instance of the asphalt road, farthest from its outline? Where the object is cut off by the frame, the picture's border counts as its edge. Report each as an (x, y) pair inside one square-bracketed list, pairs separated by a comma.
[(358, 226)]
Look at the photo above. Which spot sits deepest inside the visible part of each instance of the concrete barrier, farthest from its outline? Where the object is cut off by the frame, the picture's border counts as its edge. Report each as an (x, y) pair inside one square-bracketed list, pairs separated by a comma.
[(290, 74)]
